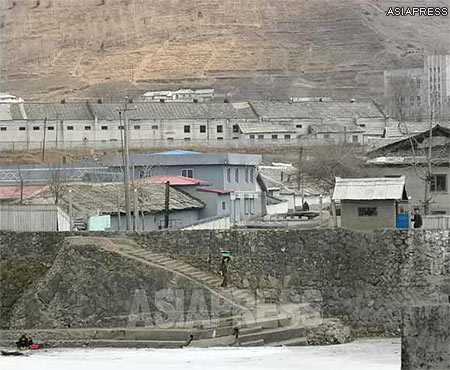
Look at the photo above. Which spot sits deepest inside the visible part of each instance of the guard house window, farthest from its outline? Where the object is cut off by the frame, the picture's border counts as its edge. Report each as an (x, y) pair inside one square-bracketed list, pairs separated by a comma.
[(355, 138), (154, 127), (252, 175), (260, 137), (187, 139), (224, 206), (287, 137), (220, 138), (299, 126), (137, 127), (246, 175), (87, 128), (252, 137), (22, 128), (36, 128), (220, 129), (367, 211), (274, 137), (438, 183), (187, 129), (104, 127), (202, 129), (50, 128), (229, 174), (70, 128), (187, 172), (121, 127), (236, 128), (236, 174), (2, 128)]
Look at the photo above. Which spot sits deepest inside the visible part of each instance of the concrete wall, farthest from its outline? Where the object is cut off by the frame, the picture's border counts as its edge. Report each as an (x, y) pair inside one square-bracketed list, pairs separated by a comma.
[(384, 219), (426, 338), (415, 187)]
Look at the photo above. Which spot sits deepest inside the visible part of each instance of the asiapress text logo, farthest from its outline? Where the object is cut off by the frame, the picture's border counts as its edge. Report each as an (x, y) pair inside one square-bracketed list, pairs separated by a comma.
[(421, 11)]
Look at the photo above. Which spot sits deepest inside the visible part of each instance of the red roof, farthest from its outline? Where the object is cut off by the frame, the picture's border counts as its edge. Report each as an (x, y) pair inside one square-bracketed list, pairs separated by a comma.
[(173, 180), (211, 190), (13, 192)]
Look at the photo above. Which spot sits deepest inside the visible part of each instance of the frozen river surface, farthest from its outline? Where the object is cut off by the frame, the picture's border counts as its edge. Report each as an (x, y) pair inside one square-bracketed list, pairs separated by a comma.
[(367, 354)]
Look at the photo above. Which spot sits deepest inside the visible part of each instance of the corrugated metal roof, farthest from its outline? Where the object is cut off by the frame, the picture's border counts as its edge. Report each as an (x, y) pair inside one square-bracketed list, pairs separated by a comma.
[(332, 109), (369, 188), (155, 110), (89, 199), (266, 127), (53, 111), (5, 112), (173, 180)]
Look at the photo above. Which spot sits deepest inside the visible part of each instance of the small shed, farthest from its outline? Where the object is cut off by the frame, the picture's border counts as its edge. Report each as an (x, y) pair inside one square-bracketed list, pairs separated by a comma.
[(372, 203)]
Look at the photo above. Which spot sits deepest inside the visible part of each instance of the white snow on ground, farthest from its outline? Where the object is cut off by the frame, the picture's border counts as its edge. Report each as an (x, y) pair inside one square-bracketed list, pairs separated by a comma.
[(366, 354)]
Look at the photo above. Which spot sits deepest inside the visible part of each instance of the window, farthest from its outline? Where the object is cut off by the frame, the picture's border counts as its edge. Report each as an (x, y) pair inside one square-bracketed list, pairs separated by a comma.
[(235, 138), (224, 206), (22, 128), (104, 127), (137, 127), (354, 138), (50, 128), (252, 175), (362, 125), (121, 127), (274, 137), (236, 128), (299, 126), (187, 172), (187, 129), (220, 129), (438, 183), (287, 137), (260, 137), (70, 128), (36, 128), (154, 127), (418, 99), (411, 100), (170, 139), (246, 175), (202, 129), (229, 174), (87, 128), (367, 211), (187, 139), (3, 128), (236, 174), (220, 138), (326, 136), (252, 137), (246, 206), (252, 206)]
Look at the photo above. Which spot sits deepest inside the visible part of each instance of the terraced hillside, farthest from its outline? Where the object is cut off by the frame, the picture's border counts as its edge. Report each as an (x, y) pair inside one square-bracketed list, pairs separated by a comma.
[(251, 48)]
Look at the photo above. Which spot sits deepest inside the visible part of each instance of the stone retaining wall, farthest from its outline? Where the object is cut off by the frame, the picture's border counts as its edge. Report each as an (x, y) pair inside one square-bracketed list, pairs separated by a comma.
[(426, 338)]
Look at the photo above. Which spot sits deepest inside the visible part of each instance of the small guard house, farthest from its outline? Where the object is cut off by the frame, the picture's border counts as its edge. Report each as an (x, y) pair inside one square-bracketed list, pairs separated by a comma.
[(372, 203)]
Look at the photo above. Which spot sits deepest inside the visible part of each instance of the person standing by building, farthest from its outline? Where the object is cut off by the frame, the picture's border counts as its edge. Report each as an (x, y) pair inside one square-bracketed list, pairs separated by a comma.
[(417, 219)]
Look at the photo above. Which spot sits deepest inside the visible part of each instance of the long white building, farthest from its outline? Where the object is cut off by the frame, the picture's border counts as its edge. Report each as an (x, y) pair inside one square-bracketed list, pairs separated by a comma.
[(26, 125)]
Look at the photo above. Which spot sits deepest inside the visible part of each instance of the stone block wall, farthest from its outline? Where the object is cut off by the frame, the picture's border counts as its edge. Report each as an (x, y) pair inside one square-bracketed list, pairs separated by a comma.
[(426, 338)]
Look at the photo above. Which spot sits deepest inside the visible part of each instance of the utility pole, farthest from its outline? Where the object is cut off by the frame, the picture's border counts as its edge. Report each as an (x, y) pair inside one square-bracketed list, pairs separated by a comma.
[(43, 142), (166, 205), (126, 179)]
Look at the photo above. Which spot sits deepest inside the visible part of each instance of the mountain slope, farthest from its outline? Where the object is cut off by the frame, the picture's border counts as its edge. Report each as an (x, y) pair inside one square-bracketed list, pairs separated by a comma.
[(250, 48)]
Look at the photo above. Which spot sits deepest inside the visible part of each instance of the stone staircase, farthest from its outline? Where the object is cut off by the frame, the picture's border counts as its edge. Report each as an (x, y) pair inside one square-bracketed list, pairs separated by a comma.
[(257, 322)]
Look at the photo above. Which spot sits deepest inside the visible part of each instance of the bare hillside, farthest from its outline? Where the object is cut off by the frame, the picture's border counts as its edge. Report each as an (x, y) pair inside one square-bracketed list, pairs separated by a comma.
[(250, 48)]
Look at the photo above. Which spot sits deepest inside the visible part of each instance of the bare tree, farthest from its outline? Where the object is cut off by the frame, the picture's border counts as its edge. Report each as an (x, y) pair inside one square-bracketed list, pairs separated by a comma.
[(58, 184), (325, 163)]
